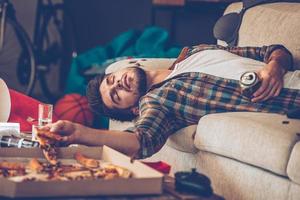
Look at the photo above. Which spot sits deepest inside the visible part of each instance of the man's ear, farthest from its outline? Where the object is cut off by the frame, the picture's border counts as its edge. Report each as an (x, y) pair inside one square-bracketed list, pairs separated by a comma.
[(135, 110)]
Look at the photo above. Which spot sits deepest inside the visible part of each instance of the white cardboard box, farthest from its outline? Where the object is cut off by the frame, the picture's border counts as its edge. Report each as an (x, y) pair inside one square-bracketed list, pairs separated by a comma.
[(145, 180)]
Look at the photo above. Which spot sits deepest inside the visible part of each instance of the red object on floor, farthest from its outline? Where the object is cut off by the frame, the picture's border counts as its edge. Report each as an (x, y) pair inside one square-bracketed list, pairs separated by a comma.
[(159, 166), (22, 109)]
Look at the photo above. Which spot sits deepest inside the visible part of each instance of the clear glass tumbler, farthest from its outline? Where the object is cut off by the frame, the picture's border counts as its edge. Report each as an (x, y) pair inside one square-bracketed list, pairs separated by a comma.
[(45, 114)]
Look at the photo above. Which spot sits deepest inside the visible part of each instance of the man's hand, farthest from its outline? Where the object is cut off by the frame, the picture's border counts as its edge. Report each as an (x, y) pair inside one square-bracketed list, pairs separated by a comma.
[(272, 82), (280, 61), (74, 133), (69, 130)]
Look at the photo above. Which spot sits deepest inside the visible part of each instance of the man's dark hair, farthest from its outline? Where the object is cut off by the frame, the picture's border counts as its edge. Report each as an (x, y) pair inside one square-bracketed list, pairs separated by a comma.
[(97, 105)]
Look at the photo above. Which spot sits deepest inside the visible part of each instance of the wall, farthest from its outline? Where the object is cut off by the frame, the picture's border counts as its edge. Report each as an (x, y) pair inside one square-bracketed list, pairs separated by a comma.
[(98, 22)]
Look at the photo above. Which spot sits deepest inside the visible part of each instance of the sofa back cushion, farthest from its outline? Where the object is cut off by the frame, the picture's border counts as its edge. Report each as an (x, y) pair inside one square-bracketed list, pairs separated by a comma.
[(274, 23)]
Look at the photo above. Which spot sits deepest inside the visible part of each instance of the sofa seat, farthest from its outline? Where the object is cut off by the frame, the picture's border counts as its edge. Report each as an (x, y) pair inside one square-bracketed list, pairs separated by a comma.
[(259, 139), (183, 140), (264, 140)]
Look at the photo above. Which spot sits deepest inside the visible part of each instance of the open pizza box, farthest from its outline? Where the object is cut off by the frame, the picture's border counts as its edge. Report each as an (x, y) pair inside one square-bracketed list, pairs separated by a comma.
[(145, 180)]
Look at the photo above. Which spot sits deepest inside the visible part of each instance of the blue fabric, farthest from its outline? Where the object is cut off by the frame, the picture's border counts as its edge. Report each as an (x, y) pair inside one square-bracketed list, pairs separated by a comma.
[(150, 43)]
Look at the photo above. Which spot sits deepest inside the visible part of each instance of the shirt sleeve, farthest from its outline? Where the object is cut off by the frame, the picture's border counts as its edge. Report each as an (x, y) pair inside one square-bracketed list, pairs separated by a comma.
[(258, 53), (153, 127)]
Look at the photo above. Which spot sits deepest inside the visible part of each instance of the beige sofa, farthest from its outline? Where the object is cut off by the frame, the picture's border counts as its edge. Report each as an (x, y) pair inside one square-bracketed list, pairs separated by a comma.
[(246, 155)]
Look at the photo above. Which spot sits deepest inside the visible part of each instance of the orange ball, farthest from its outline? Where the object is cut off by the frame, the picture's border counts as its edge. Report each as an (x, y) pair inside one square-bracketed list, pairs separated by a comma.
[(74, 107)]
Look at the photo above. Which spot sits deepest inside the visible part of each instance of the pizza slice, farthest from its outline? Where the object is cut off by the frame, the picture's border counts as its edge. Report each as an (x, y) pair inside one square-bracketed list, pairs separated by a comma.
[(35, 165), (12, 165), (85, 161), (9, 169), (48, 142), (121, 171)]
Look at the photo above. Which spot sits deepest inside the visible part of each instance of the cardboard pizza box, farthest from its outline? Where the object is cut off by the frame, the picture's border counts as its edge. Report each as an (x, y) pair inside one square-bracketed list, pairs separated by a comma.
[(145, 180)]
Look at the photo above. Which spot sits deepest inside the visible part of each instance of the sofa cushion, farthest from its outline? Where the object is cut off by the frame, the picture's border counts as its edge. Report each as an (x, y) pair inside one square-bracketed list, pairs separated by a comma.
[(261, 139), (294, 163), (183, 139), (119, 126), (275, 23)]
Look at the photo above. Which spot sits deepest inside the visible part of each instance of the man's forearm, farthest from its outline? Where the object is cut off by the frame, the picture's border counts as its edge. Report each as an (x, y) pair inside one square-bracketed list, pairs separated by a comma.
[(281, 59), (122, 141)]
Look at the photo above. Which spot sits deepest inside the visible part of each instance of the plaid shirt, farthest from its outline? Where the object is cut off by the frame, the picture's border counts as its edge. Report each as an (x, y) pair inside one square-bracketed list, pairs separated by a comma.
[(183, 99)]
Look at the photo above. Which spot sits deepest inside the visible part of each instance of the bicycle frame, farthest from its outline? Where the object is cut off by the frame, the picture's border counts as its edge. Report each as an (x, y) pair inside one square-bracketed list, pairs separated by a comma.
[(8, 16), (46, 57), (36, 59), (2, 23)]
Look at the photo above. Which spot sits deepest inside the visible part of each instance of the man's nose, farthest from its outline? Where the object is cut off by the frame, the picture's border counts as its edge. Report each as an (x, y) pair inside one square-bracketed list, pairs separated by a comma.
[(118, 85)]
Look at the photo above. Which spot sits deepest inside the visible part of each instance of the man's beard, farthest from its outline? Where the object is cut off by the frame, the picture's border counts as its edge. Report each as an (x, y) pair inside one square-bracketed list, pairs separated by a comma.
[(126, 114), (141, 82)]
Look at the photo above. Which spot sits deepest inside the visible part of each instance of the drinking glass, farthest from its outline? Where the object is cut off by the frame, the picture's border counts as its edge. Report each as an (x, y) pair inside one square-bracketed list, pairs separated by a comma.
[(45, 114)]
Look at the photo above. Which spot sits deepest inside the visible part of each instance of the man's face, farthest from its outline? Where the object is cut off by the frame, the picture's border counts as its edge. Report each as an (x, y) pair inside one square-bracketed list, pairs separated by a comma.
[(122, 89)]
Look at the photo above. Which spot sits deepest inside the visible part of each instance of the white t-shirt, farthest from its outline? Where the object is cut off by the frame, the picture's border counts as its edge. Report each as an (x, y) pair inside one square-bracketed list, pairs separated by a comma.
[(224, 64)]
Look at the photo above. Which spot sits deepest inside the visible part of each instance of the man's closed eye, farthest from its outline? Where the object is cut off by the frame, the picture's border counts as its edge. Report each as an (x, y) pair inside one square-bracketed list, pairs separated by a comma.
[(110, 79)]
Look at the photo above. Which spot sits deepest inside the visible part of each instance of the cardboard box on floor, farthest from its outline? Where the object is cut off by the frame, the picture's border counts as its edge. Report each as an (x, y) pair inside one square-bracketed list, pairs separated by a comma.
[(145, 180)]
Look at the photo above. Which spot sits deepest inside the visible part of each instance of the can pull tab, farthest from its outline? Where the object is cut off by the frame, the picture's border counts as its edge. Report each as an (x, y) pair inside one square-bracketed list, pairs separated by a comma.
[(249, 77), (249, 83)]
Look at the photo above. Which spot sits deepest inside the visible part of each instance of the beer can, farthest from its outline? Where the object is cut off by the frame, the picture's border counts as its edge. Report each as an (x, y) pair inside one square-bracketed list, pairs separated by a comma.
[(249, 83), (13, 141)]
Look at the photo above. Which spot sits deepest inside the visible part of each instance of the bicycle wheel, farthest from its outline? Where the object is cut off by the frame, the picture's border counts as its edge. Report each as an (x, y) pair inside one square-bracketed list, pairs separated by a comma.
[(17, 61), (55, 52)]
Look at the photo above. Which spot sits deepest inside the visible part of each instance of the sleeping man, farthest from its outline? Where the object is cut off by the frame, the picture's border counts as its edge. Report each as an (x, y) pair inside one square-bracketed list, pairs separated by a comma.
[(203, 80)]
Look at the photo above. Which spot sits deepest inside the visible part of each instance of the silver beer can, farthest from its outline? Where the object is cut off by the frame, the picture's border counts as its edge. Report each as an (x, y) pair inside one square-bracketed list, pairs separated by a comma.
[(13, 141), (249, 83)]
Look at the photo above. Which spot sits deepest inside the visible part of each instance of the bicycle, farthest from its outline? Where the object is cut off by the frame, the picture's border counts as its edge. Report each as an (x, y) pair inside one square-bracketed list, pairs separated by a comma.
[(36, 58)]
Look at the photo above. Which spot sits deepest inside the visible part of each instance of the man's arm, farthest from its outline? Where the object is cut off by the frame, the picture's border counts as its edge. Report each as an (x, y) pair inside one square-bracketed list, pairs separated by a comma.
[(277, 58), (122, 141), (153, 127), (148, 136), (278, 63), (74, 133)]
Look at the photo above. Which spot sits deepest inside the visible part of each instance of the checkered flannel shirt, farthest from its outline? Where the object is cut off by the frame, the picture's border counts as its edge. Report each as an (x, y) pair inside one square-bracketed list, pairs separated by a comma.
[(183, 99)]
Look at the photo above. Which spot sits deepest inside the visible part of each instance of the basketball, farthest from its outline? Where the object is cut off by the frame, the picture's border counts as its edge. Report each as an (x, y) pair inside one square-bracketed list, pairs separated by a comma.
[(74, 107)]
